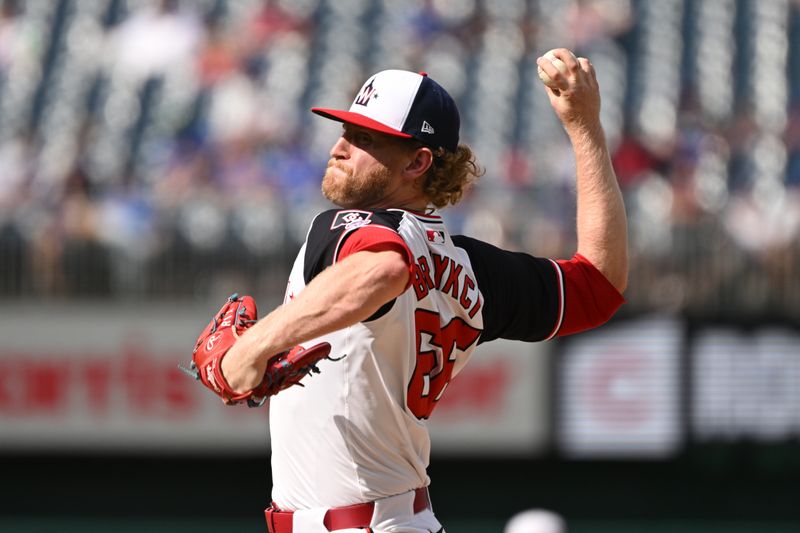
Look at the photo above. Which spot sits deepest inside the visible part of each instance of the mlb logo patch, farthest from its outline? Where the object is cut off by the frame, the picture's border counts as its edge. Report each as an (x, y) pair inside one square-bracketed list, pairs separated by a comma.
[(436, 237), (351, 218)]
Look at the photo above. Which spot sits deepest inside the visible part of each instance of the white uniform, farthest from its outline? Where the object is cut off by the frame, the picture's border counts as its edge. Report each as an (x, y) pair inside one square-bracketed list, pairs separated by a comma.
[(349, 435), (356, 432)]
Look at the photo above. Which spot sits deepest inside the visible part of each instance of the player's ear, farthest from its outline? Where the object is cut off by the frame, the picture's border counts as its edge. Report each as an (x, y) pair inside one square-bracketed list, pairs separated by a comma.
[(419, 163)]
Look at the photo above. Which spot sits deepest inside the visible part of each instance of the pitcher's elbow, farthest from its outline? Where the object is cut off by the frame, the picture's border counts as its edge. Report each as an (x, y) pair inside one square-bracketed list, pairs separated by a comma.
[(619, 275), (621, 282)]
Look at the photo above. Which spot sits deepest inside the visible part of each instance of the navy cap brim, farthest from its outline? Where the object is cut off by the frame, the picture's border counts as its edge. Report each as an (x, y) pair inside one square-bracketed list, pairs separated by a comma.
[(358, 119)]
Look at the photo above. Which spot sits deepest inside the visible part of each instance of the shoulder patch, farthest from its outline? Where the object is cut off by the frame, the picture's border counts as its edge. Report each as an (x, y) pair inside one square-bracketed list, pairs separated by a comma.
[(351, 219), (330, 229)]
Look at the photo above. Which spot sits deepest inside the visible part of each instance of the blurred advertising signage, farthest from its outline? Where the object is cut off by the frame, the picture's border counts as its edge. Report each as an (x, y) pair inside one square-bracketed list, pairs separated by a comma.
[(76, 377), (87, 377), (619, 391), (746, 386)]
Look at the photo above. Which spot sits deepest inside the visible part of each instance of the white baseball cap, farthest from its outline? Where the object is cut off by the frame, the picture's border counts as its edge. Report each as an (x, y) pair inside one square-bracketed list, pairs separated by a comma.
[(404, 104)]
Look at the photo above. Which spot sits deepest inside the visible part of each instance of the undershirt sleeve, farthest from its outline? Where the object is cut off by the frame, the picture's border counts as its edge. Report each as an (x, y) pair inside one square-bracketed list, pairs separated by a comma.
[(590, 299), (377, 239)]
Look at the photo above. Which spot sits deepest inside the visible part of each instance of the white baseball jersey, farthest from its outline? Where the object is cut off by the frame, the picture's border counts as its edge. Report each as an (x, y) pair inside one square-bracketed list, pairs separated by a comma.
[(357, 432)]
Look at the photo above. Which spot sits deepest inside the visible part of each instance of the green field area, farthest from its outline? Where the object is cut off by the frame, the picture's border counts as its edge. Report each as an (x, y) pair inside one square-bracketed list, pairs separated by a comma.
[(69, 525)]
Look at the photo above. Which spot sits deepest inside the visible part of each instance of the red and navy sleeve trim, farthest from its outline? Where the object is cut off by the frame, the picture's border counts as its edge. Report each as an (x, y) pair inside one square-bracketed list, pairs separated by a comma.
[(560, 290), (589, 300)]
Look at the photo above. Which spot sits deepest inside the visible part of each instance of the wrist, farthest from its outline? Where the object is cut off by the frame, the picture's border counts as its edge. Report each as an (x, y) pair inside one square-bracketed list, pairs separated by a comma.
[(585, 130), (252, 347), (242, 367), (588, 140)]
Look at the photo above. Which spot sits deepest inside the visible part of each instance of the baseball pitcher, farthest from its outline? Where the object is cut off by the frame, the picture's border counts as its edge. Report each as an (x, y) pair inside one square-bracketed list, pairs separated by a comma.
[(398, 304)]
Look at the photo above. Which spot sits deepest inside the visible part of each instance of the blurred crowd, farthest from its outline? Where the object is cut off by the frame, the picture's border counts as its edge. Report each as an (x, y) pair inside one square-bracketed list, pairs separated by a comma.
[(164, 147)]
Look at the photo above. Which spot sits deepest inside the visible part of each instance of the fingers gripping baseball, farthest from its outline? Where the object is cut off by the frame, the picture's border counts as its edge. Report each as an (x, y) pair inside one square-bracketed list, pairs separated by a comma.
[(571, 85), (555, 68)]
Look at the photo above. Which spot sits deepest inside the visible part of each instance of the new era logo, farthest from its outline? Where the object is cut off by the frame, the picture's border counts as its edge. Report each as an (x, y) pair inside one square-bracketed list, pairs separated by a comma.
[(427, 128)]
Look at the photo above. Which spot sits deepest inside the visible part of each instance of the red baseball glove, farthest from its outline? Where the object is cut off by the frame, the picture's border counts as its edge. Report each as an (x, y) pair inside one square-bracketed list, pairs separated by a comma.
[(283, 370)]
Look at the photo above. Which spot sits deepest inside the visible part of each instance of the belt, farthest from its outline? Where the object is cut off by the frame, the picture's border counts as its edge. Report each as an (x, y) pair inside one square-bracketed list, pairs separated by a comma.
[(352, 516)]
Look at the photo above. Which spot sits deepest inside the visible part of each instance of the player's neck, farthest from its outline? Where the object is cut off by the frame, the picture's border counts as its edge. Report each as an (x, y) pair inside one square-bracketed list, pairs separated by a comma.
[(417, 207), (420, 210), (403, 199)]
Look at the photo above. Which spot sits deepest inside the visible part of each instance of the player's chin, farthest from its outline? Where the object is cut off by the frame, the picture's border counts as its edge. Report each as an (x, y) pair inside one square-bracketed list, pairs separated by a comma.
[(338, 199), (334, 177), (334, 193)]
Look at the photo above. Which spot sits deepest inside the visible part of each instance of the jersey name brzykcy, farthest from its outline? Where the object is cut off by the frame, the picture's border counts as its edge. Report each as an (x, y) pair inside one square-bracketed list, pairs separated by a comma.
[(356, 432)]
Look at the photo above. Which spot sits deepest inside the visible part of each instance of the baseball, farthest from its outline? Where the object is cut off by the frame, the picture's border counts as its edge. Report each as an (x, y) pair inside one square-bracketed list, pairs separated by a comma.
[(560, 65)]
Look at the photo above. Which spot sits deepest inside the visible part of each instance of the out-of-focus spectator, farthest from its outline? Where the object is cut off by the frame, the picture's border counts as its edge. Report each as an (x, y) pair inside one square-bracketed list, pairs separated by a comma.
[(20, 44), (152, 41), (219, 56), (238, 168), (741, 135), (633, 161), (17, 161), (792, 141), (239, 109), (590, 21), (273, 20), (84, 261)]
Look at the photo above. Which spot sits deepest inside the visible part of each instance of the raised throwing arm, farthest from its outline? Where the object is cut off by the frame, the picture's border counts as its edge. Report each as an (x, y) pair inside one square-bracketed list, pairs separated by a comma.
[(601, 221)]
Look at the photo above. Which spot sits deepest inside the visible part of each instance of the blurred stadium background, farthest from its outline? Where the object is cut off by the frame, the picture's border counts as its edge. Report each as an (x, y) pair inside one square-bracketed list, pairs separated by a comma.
[(156, 156)]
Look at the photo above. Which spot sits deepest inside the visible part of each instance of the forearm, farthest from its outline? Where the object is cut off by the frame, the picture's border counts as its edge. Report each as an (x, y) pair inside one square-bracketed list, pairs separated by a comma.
[(339, 297), (601, 221), (342, 295)]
